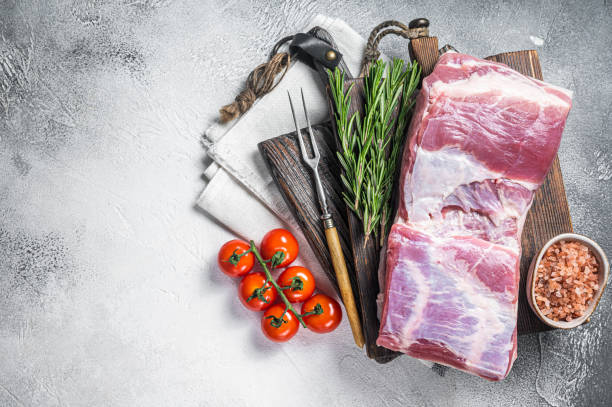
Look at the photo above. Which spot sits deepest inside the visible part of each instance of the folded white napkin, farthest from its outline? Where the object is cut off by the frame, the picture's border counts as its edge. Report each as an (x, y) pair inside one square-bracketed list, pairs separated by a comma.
[(234, 147), (241, 193)]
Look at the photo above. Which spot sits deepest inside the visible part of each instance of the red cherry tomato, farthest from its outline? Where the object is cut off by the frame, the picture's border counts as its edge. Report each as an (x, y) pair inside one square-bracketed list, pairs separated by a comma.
[(328, 320), (285, 330), (280, 240), (244, 265), (297, 277), (247, 294)]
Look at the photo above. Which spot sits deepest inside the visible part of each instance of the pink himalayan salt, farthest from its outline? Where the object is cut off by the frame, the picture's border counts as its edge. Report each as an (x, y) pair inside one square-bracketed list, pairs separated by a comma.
[(566, 280)]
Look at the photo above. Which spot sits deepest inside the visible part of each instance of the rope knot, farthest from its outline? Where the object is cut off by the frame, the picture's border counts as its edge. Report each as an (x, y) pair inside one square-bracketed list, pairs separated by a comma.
[(259, 82)]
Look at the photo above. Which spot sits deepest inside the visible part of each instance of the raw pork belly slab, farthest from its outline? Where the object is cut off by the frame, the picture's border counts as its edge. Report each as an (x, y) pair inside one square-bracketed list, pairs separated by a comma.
[(480, 143)]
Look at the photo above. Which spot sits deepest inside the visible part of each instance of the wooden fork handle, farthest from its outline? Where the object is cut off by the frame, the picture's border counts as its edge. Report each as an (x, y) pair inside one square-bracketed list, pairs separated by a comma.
[(346, 292)]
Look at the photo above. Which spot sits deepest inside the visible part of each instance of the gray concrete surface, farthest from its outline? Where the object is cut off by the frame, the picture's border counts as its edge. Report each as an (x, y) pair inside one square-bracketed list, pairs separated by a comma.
[(108, 289)]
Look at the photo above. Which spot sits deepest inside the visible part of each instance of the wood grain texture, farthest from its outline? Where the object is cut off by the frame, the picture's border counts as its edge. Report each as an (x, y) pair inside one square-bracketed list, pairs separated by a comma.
[(549, 215), (425, 51), (366, 257)]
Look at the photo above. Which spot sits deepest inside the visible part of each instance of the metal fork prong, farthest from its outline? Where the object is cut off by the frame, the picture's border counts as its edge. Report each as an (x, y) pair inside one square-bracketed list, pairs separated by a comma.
[(297, 130), (315, 148)]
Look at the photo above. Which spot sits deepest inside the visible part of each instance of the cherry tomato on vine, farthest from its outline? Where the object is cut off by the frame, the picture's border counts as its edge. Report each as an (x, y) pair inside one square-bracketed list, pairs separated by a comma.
[(243, 265), (279, 240), (301, 280), (249, 288), (328, 319), (277, 330)]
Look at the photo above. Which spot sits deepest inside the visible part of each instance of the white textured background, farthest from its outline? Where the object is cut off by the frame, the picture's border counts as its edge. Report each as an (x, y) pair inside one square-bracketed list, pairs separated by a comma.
[(109, 293)]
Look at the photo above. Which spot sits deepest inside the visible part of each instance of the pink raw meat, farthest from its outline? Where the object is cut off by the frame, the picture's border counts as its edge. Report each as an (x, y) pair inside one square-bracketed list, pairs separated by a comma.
[(480, 144)]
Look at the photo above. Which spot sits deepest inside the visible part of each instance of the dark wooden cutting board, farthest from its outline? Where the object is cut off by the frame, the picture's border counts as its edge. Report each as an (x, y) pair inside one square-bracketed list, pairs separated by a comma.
[(548, 216), (296, 184)]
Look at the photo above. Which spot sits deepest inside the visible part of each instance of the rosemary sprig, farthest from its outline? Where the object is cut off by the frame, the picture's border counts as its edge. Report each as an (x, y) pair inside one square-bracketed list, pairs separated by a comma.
[(353, 168), (411, 80), (370, 146)]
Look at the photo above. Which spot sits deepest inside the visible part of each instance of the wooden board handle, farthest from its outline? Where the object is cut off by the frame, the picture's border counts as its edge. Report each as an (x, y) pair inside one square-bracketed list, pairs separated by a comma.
[(346, 292), (425, 51)]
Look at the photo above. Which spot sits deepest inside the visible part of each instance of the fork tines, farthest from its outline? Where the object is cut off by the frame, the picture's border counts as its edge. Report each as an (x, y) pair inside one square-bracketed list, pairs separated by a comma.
[(314, 161)]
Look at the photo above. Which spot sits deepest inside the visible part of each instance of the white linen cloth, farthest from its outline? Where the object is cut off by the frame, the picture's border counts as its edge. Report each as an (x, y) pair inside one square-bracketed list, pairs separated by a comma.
[(241, 193)]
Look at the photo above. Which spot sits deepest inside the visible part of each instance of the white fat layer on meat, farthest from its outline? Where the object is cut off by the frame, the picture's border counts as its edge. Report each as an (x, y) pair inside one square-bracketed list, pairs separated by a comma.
[(495, 312), (422, 289), (495, 316), (513, 85), (439, 174)]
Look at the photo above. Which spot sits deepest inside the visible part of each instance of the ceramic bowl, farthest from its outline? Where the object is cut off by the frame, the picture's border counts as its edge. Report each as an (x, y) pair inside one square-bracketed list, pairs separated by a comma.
[(604, 272)]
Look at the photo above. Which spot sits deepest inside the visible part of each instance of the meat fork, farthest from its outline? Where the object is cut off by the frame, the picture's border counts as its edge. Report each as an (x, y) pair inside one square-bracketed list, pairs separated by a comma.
[(331, 234)]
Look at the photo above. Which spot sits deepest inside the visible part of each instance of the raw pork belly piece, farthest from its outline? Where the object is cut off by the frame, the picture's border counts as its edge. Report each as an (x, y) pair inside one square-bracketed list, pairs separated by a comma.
[(480, 143)]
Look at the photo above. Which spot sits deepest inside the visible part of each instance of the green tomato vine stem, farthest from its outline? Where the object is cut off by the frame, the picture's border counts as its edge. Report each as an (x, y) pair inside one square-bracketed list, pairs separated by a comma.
[(288, 305)]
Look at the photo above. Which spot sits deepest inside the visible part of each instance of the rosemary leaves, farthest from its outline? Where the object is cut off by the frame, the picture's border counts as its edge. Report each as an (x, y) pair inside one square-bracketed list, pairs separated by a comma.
[(370, 144)]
